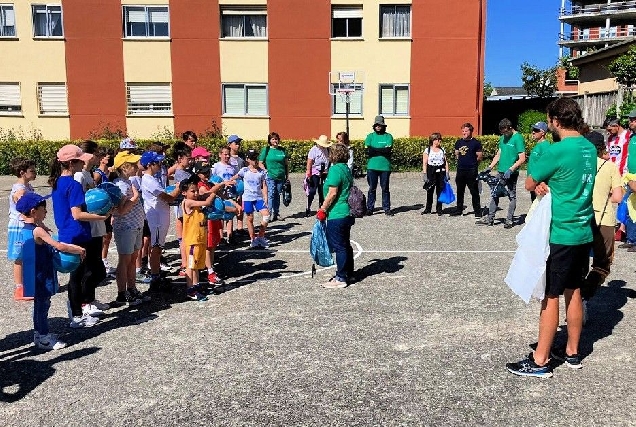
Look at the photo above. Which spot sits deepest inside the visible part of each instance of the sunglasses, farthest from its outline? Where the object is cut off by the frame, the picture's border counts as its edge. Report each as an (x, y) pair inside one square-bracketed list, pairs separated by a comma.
[(536, 130)]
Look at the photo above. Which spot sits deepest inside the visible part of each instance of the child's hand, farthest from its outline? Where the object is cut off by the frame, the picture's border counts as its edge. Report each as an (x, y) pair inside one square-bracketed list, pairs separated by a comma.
[(230, 182)]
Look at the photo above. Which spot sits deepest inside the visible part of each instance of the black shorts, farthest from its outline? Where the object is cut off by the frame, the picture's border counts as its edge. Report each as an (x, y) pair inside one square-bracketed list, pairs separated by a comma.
[(566, 267), (146, 230), (109, 224)]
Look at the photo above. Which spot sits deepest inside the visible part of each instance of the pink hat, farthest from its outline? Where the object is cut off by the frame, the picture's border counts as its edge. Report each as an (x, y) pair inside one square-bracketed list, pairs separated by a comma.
[(200, 152), (72, 152)]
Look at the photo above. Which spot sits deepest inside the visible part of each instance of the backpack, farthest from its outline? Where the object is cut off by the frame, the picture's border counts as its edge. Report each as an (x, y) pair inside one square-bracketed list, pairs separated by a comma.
[(357, 202)]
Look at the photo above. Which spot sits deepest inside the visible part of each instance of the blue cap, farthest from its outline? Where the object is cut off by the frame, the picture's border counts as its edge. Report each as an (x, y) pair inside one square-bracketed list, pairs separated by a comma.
[(29, 201), (233, 138), (542, 126), (150, 157)]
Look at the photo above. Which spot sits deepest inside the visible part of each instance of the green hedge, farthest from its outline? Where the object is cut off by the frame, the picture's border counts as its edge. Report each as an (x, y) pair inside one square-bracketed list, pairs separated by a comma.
[(407, 152)]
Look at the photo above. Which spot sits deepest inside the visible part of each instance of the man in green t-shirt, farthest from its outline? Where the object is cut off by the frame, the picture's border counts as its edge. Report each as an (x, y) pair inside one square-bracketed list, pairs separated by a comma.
[(539, 130), (379, 145), (631, 147), (567, 171), (510, 156)]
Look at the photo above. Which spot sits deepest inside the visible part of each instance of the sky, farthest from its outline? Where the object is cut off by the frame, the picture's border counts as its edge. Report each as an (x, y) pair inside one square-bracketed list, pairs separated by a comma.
[(518, 31)]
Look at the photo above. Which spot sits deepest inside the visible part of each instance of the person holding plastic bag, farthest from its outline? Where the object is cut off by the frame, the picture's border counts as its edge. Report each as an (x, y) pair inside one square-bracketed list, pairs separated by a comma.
[(435, 167), (335, 209), (568, 167)]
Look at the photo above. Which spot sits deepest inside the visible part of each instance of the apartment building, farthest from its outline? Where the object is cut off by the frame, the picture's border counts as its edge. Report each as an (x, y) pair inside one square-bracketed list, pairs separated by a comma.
[(74, 67)]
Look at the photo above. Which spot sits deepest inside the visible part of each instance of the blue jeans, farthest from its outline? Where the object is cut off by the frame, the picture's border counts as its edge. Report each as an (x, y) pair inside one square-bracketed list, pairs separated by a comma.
[(630, 231), (372, 179), (339, 237), (41, 305), (274, 190)]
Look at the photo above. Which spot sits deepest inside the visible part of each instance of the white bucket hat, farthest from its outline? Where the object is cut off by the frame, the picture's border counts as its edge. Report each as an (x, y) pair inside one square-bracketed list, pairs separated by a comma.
[(323, 141)]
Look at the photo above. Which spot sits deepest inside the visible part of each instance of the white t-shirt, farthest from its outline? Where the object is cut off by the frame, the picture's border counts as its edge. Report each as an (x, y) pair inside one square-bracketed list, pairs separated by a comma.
[(435, 158), (320, 156), (253, 184), (237, 163), (225, 171), (134, 219), (98, 228), (157, 210)]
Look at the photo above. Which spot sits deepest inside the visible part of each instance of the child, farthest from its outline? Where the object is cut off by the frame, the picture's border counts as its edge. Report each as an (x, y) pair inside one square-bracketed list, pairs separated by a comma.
[(200, 154), (142, 257), (39, 244), (181, 173), (73, 225), (101, 174), (226, 171), (255, 198), (24, 170), (238, 163), (194, 234)]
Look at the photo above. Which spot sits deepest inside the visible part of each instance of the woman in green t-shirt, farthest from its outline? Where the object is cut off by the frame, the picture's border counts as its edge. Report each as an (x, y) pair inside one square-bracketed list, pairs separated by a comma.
[(273, 158)]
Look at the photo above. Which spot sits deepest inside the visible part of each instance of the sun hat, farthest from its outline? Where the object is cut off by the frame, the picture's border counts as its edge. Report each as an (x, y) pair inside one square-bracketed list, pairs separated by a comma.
[(72, 152), (542, 126), (379, 120), (323, 141), (127, 143), (234, 138), (150, 157), (632, 114), (29, 201), (125, 157), (200, 152)]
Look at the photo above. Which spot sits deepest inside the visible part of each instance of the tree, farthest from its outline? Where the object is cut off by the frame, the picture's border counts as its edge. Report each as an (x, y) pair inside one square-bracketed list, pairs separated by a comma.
[(538, 82), (572, 72), (488, 88), (624, 67)]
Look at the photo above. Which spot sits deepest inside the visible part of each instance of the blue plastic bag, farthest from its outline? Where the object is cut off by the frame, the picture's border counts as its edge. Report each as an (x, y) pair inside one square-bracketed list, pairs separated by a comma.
[(448, 196), (319, 245), (621, 212)]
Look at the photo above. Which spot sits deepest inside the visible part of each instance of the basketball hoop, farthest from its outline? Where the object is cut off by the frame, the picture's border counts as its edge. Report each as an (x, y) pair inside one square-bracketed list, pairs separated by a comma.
[(345, 83)]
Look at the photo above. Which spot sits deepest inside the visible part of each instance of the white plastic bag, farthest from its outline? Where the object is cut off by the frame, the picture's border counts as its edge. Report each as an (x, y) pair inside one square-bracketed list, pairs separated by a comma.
[(526, 275)]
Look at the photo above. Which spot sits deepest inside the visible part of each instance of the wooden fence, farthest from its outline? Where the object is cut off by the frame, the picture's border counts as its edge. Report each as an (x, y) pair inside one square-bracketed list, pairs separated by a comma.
[(595, 105)]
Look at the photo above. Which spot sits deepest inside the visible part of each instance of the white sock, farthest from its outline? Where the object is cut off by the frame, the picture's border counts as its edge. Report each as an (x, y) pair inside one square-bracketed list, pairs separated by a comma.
[(210, 270)]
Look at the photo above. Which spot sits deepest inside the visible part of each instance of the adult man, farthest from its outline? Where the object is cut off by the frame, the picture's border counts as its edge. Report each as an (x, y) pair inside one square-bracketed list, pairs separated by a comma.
[(567, 171), (631, 160), (617, 144), (539, 130), (379, 145), (468, 151), (510, 156)]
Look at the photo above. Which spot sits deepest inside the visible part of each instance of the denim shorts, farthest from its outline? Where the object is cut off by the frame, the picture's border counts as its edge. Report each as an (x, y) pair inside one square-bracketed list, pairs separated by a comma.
[(128, 241)]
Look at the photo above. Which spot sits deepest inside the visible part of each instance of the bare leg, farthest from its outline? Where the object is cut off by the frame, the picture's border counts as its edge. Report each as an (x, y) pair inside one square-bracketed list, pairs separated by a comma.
[(574, 314), (131, 282), (548, 323), (17, 272), (250, 225), (123, 271)]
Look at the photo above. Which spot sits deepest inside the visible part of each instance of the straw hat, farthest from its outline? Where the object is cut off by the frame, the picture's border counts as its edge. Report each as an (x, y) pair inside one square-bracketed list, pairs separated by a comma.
[(323, 141)]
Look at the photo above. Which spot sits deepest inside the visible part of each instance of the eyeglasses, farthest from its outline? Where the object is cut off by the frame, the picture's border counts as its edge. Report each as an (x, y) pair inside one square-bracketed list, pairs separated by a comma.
[(536, 130)]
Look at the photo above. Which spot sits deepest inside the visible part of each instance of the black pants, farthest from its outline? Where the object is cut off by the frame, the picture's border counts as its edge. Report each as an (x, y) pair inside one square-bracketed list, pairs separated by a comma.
[(315, 184), (468, 178), (84, 280), (436, 174)]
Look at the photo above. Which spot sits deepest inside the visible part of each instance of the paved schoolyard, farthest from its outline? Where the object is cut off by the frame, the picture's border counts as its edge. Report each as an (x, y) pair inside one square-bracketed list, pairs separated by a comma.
[(422, 339)]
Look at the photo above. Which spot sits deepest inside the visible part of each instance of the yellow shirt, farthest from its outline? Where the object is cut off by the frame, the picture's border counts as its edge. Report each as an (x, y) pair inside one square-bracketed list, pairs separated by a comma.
[(194, 226), (607, 178)]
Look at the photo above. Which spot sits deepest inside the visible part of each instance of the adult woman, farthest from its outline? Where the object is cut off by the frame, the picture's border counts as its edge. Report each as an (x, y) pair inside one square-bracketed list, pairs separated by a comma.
[(343, 138), (335, 209), (379, 145), (273, 158), (317, 167), (435, 166)]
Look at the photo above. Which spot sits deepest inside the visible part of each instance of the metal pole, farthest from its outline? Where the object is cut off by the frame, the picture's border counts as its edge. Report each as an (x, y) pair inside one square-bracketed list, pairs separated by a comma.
[(347, 108)]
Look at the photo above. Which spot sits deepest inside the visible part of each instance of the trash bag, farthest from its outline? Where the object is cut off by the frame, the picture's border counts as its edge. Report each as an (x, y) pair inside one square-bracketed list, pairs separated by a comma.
[(287, 194), (526, 275), (448, 196), (319, 245), (622, 212)]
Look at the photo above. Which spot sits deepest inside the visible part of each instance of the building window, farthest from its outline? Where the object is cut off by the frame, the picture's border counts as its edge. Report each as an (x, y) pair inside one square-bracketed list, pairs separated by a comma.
[(10, 102), (47, 20), (245, 99), (395, 21), (394, 100), (339, 105), (149, 99), (346, 22), (7, 20), (146, 21), (52, 99), (244, 22)]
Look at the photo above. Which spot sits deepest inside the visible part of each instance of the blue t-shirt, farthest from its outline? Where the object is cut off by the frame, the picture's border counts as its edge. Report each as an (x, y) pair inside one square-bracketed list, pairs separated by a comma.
[(467, 156), (68, 193)]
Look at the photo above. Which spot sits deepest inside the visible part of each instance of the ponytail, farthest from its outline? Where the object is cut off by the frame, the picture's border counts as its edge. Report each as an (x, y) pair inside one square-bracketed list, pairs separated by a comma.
[(56, 171)]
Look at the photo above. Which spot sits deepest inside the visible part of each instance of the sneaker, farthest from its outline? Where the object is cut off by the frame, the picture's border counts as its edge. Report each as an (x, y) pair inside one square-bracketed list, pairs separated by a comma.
[(160, 285), (388, 213), (484, 220), (142, 278), (457, 212), (139, 295), (508, 225), (213, 279), (528, 368), (254, 243), (625, 246), (573, 361), (262, 242), (182, 272), (49, 342), (127, 298), (194, 294), (334, 284), (84, 321), (100, 305), (91, 310), (109, 269)]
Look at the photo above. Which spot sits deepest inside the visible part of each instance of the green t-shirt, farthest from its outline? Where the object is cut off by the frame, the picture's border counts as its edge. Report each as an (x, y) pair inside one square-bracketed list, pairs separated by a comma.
[(275, 162), (569, 169), (536, 152), (510, 148), (631, 159), (374, 140), (339, 176)]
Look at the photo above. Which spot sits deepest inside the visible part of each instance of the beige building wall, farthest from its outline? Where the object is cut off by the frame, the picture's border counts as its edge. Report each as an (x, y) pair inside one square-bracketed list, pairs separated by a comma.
[(596, 86), (31, 61), (380, 61)]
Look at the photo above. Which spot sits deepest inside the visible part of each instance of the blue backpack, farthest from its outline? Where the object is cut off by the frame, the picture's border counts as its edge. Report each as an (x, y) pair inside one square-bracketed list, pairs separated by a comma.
[(319, 246)]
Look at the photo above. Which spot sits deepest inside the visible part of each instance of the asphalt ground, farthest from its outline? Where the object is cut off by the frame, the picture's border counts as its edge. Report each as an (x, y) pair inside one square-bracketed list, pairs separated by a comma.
[(421, 339)]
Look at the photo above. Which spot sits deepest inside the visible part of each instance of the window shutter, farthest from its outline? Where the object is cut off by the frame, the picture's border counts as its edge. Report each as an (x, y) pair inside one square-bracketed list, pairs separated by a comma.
[(246, 10), (150, 99), (158, 14), (136, 14), (256, 100), (52, 99), (10, 97), (347, 12), (386, 100), (9, 16), (402, 100), (356, 101), (234, 97)]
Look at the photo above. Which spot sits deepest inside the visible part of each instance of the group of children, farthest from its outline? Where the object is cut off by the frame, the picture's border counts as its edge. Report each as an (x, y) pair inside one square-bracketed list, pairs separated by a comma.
[(205, 196)]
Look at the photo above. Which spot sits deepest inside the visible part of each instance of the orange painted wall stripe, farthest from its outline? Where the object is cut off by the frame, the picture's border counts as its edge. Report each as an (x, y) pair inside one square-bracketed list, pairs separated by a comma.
[(94, 66), (447, 64), (299, 63), (196, 73)]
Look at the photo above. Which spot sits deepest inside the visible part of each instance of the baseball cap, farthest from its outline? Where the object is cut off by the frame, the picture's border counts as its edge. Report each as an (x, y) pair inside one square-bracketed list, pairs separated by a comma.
[(72, 152), (542, 126), (233, 138), (632, 114), (597, 139), (150, 157), (200, 152), (29, 201), (127, 143), (614, 122), (125, 157), (201, 168), (252, 155)]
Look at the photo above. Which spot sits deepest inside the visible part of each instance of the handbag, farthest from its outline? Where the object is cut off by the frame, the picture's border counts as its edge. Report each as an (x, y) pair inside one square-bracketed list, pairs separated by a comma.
[(448, 196)]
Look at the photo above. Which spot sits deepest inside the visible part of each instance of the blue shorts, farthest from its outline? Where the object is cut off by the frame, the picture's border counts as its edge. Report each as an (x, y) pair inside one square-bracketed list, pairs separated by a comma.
[(249, 207)]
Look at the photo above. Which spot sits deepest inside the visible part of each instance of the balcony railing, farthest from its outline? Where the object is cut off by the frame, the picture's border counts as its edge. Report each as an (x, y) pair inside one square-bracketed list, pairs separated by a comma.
[(596, 9), (598, 35)]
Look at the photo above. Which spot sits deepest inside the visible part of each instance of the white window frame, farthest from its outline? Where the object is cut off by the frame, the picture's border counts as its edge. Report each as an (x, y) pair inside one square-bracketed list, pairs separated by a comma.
[(410, 24), (147, 9), (246, 107), (359, 88), (395, 87), (244, 11), (57, 102), (4, 7), (10, 99), (149, 99), (347, 13), (48, 12)]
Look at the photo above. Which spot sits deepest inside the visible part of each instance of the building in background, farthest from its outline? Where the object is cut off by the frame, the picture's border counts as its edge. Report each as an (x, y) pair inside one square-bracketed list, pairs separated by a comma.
[(71, 69)]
